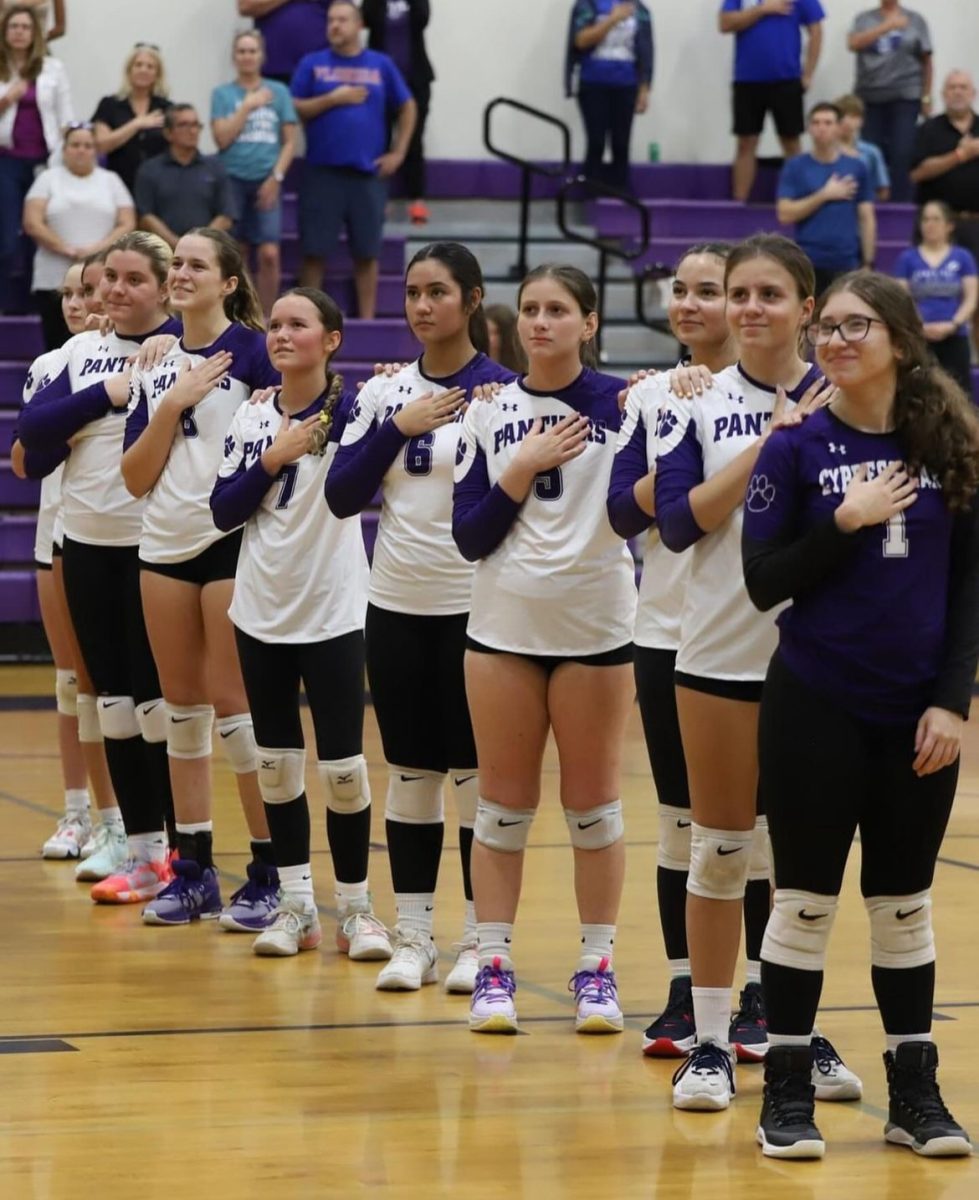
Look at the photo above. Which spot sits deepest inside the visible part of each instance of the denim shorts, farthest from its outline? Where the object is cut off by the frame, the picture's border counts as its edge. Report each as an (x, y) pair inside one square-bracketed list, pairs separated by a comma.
[(253, 225), (334, 198)]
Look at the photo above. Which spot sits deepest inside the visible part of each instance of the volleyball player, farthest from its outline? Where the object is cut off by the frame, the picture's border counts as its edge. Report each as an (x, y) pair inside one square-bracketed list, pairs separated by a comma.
[(706, 450), (864, 517), (79, 738), (549, 637), (698, 320), (175, 436), (298, 610), (401, 440), (77, 420)]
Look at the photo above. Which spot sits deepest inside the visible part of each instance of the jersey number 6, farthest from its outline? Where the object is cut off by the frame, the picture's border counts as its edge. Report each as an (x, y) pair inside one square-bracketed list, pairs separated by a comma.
[(418, 454)]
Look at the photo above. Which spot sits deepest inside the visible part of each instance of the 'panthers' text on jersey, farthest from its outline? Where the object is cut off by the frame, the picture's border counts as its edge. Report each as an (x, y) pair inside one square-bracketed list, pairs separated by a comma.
[(49, 522), (177, 522), (561, 582)]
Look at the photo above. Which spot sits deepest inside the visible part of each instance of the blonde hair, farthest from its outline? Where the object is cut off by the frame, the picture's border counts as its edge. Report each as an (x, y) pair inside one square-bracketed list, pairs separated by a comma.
[(160, 87), (151, 246), (36, 53)]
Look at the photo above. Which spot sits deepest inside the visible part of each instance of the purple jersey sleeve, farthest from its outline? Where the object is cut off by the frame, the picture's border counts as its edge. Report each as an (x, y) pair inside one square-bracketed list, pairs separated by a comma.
[(679, 468), (359, 468), (629, 466), (56, 413), (237, 497), (957, 672), (481, 514)]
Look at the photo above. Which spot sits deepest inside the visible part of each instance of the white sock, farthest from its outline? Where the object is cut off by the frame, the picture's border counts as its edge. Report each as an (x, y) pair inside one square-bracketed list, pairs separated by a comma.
[(77, 800), (596, 943), (895, 1039), (469, 928), (752, 971), (789, 1039), (416, 910), (148, 847), (495, 941), (678, 967), (110, 817), (298, 881), (346, 893), (712, 1013), (195, 826)]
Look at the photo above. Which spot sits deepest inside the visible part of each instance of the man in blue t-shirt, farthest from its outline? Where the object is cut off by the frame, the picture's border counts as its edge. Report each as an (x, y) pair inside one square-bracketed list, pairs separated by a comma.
[(769, 74), (346, 96), (827, 195)]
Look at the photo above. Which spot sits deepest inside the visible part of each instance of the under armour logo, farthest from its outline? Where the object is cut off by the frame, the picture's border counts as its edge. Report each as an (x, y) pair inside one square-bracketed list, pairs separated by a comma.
[(264, 424), (507, 407), (903, 916), (837, 448)]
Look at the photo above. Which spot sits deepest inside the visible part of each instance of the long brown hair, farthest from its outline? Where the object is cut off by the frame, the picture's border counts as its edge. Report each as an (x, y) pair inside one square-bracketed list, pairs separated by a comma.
[(511, 352), (38, 48), (242, 305), (936, 424), (581, 289)]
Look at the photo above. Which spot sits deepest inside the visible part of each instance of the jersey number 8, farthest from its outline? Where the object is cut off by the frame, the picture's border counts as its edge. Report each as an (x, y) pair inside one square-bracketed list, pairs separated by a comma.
[(188, 425)]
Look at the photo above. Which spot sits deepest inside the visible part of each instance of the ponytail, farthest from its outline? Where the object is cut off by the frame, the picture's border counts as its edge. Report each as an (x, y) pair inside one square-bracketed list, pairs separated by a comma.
[(242, 305)]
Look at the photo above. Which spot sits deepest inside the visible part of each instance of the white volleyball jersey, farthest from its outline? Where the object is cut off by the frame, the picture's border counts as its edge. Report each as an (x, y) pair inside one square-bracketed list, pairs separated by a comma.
[(663, 584), (723, 635), (561, 581), (49, 521), (302, 572), (97, 509), (416, 566), (177, 522)]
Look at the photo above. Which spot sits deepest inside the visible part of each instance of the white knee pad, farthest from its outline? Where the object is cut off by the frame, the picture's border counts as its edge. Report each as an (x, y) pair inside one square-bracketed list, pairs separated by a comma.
[(465, 788), (152, 718), (673, 850), (595, 828), (189, 730), (798, 930), (66, 692), (503, 829), (117, 717), (281, 774), (89, 730), (237, 737), (900, 931), (760, 858), (414, 797), (348, 789), (719, 860)]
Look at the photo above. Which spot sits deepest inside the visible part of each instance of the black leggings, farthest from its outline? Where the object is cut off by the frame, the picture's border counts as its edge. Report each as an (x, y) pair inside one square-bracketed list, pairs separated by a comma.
[(414, 664), (607, 113), (955, 355), (656, 692)]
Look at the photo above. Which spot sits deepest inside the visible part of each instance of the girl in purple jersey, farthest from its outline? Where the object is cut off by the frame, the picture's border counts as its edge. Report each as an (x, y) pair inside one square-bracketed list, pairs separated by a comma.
[(864, 518)]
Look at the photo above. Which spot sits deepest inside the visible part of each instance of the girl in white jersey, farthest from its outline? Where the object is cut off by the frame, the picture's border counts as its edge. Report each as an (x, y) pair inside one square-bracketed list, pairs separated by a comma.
[(401, 440), (549, 640), (75, 420), (79, 738), (298, 610), (175, 436)]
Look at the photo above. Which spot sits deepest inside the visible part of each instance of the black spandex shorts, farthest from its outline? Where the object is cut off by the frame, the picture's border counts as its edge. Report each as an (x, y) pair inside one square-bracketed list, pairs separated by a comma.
[(783, 99), (748, 690), (219, 561), (620, 656)]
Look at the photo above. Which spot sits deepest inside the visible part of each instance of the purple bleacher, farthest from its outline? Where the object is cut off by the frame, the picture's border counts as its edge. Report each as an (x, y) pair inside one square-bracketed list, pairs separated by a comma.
[(20, 338), (379, 340), (18, 597), (7, 418), (14, 492), (17, 538), (12, 375)]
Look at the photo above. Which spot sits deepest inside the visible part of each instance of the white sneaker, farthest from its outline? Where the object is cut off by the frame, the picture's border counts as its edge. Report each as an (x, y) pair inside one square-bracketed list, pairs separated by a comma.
[(360, 935), (462, 977), (91, 844), (296, 927), (72, 833), (831, 1077), (109, 852), (705, 1082), (414, 962)]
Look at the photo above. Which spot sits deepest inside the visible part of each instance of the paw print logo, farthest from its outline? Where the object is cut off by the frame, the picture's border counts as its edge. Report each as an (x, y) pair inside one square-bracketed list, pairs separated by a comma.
[(760, 495), (229, 445), (355, 411), (666, 422), (460, 451)]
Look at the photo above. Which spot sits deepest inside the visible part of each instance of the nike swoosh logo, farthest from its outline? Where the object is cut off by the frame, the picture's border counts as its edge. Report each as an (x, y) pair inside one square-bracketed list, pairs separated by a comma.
[(180, 720), (460, 782), (110, 703), (504, 824), (508, 940), (811, 916), (149, 708), (683, 824), (307, 878), (430, 908), (410, 778), (903, 916), (220, 731), (598, 821), (724, 853)]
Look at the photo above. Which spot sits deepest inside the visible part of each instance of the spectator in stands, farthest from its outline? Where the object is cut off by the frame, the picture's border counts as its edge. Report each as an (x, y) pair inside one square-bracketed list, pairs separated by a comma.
[(851, 123), (254, 125), (346, 96), (50, 12), (180, 189), (291, 29), (769, 74), (941, 278), (397, 28), (893, 49), (826, 194), (129, 125), (35, 105), (72, 211), (504, 344), (610, 45)]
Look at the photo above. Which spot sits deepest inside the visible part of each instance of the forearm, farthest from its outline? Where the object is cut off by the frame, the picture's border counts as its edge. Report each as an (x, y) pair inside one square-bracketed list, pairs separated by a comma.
[(123, 226), (479, 528), (237, 498), (957, 672), (713, 501), (927, 76), (226, 130), (154, 225), (107, 140), (288, 151), (358, 470), (791, 212), (967, 306), (220, 222), (631, 509), (39, 232), (774, 573), (861, 41), (868, 234), (404, 128), (588, 38), (938, 164), (736, 22), (45, 424), (143, 462), (315, 105), (258, 8), (814, 46)]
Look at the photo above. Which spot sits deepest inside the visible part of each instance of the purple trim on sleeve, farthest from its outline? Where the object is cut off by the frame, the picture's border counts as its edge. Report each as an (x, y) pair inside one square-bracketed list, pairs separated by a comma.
[(628, 467), (235, 498), (481, 515), (677, 473), (359, 469), (56, 413)]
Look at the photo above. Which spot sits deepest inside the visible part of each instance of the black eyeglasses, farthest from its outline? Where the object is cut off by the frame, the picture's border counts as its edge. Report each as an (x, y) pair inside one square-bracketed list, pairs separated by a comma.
[(852, 329), (146, 46)]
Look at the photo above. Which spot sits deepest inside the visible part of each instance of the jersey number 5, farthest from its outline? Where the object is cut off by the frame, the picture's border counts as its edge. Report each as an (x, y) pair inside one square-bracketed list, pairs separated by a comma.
[(896, 537), (418, 454), (289, 474), (549, 485)]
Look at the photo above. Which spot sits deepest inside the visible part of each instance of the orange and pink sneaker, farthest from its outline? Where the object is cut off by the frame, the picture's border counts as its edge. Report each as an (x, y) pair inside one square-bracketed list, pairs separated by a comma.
[(136, 882)]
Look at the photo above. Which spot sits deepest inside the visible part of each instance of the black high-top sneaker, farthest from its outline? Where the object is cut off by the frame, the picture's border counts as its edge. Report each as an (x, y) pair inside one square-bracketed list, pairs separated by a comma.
[(918, 1116), (787, 1126)]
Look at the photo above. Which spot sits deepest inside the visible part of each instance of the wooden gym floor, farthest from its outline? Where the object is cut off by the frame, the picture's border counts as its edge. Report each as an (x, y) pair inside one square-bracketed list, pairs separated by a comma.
[(142, 1062)]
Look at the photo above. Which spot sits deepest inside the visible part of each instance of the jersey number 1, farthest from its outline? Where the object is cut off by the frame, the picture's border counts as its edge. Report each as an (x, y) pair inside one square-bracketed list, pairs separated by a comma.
[(896, 537)]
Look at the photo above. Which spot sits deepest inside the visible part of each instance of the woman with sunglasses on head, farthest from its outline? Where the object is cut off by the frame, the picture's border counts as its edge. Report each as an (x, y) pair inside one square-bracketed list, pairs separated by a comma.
[(401, 440), (73, 210), (129, 125), (175, 436), (865, 519), (79, 420)]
